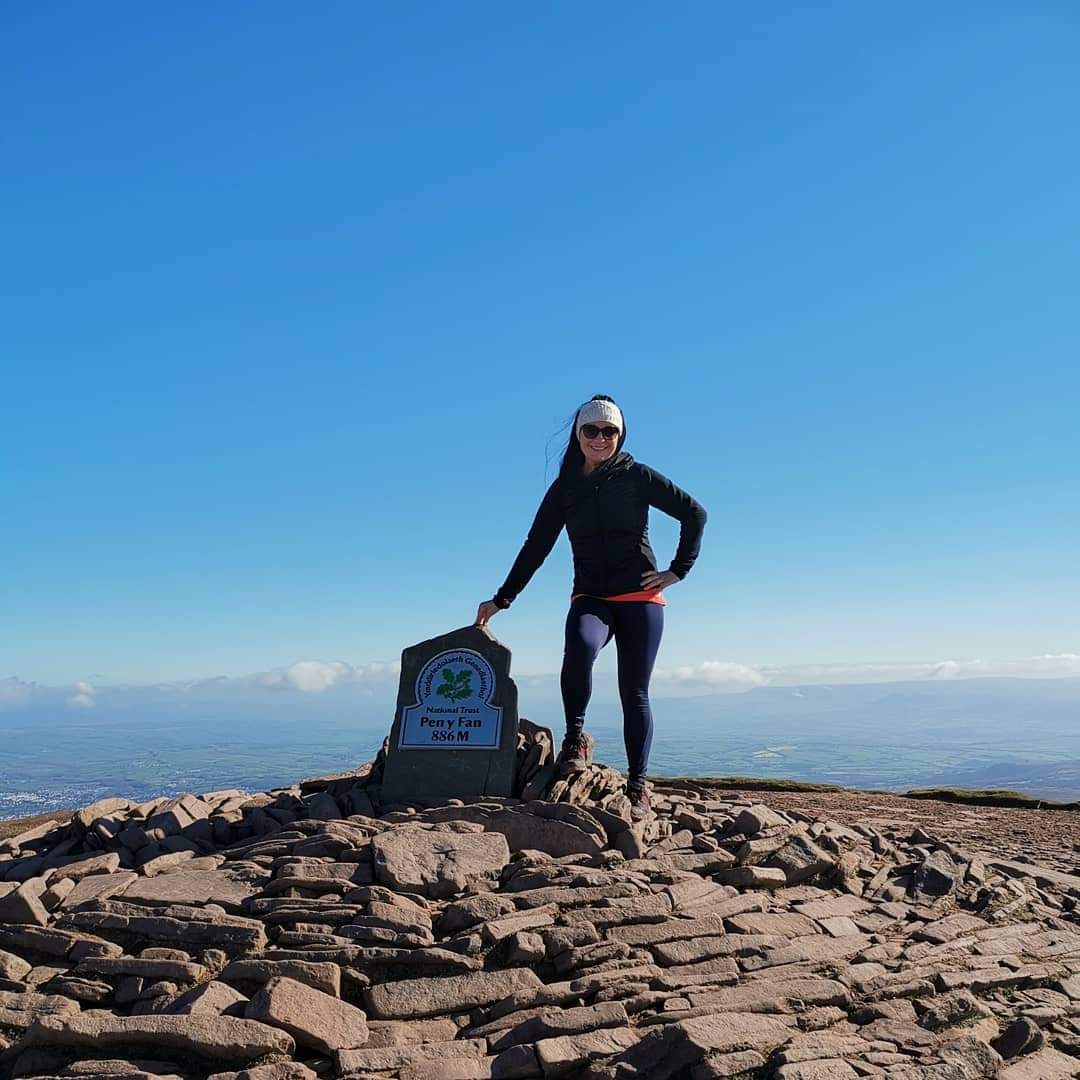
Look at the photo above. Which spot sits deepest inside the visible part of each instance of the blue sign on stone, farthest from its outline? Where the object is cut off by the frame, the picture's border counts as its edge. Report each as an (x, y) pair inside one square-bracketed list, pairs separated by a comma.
[(453, 709)]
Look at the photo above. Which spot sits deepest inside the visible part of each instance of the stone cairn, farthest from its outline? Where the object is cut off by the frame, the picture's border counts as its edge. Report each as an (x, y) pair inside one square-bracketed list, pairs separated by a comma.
[(315, 931)]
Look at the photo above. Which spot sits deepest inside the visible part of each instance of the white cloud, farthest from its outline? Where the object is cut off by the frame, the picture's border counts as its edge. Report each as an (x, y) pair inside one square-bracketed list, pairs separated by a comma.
[(1052, 664), (948, 669), (714, 674), (83, 698), (308, 676), (315, 676), (1045, 666), (379, 667)]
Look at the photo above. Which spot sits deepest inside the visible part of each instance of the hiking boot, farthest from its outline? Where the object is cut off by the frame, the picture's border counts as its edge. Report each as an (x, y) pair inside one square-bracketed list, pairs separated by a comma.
[(574, 756), (640, 806)]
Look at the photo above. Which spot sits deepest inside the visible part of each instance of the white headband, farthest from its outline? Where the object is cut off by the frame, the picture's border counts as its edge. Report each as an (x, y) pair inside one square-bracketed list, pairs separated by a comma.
[(594, 410)]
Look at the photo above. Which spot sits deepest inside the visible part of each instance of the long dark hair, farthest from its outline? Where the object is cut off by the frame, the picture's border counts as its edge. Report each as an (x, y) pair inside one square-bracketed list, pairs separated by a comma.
[(573, 460)]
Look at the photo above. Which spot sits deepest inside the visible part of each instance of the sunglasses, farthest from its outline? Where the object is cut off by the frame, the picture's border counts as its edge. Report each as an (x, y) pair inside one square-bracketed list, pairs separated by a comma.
[(591, 431)]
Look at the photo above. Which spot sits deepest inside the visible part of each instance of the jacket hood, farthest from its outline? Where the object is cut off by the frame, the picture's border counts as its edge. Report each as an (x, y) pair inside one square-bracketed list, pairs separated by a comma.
[(619, 463), (622, 460)]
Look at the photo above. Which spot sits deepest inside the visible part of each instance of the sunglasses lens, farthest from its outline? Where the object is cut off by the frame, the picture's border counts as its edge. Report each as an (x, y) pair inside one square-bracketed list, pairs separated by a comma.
[(591, 431)]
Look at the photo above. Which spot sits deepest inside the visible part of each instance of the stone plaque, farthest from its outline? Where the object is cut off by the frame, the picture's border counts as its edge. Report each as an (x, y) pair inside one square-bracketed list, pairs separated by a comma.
[(455, 727)]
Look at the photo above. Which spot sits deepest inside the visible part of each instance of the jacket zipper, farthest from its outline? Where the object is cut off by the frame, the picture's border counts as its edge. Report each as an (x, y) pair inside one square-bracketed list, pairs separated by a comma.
[(603, 538)]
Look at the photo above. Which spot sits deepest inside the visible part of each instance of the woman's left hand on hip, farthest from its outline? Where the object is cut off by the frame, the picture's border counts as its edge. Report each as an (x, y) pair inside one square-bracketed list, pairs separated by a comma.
[(658, 579)]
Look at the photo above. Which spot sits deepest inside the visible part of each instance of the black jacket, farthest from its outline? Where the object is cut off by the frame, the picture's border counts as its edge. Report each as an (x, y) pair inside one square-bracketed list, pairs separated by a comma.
[(606, 515)]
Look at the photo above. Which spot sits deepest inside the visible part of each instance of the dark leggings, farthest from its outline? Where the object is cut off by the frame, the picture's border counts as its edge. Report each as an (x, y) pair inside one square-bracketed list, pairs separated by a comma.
[(636, 626)]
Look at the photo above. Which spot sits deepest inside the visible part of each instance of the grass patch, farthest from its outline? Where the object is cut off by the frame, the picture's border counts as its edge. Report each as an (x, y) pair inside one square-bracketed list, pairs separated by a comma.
[(20, 825), (972, 796), (989, 797)]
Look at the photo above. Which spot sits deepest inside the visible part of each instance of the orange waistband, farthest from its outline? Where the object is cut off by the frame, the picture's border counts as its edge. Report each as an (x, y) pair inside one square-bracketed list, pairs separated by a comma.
[(650, 595)]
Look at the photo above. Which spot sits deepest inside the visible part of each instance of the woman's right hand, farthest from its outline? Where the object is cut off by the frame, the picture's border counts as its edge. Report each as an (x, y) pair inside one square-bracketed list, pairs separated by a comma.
[(485, 611)]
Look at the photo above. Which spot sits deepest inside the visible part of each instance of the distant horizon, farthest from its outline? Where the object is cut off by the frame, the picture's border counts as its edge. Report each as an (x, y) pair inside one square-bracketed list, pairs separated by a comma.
[(62, 748), (313, 678)]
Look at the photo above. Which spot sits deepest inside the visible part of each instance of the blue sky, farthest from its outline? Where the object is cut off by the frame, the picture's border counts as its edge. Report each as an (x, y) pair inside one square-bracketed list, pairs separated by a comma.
[(298, 301)]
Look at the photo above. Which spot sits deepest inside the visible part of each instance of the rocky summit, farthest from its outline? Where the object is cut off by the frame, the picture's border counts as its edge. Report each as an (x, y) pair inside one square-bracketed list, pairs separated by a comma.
[(318, 931)]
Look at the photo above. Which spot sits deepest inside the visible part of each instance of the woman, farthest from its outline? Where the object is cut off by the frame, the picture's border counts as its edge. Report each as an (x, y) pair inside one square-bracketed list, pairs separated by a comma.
[(602, 496)]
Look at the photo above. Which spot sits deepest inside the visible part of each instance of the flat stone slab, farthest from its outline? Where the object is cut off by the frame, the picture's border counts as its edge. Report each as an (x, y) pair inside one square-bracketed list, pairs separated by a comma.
[(1056, 878), (23, 1010), (535, 832), (555, 1023), (322, 976), (666, 1051), (832, 907), (13, 967), (313, 1018), (211, 998), (559, 1055), (822, 1069), (415, 998), (231, 933), (784, 923), (365, 1062), (178, 971), (1046, 1064), (98, 887), (23, 905), (671, 930), (748, 995), (437, 864), (192, 887), (217, 1038)]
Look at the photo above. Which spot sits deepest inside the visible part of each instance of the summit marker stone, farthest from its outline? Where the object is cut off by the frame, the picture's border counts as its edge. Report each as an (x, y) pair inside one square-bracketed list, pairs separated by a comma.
[(455, 727)]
